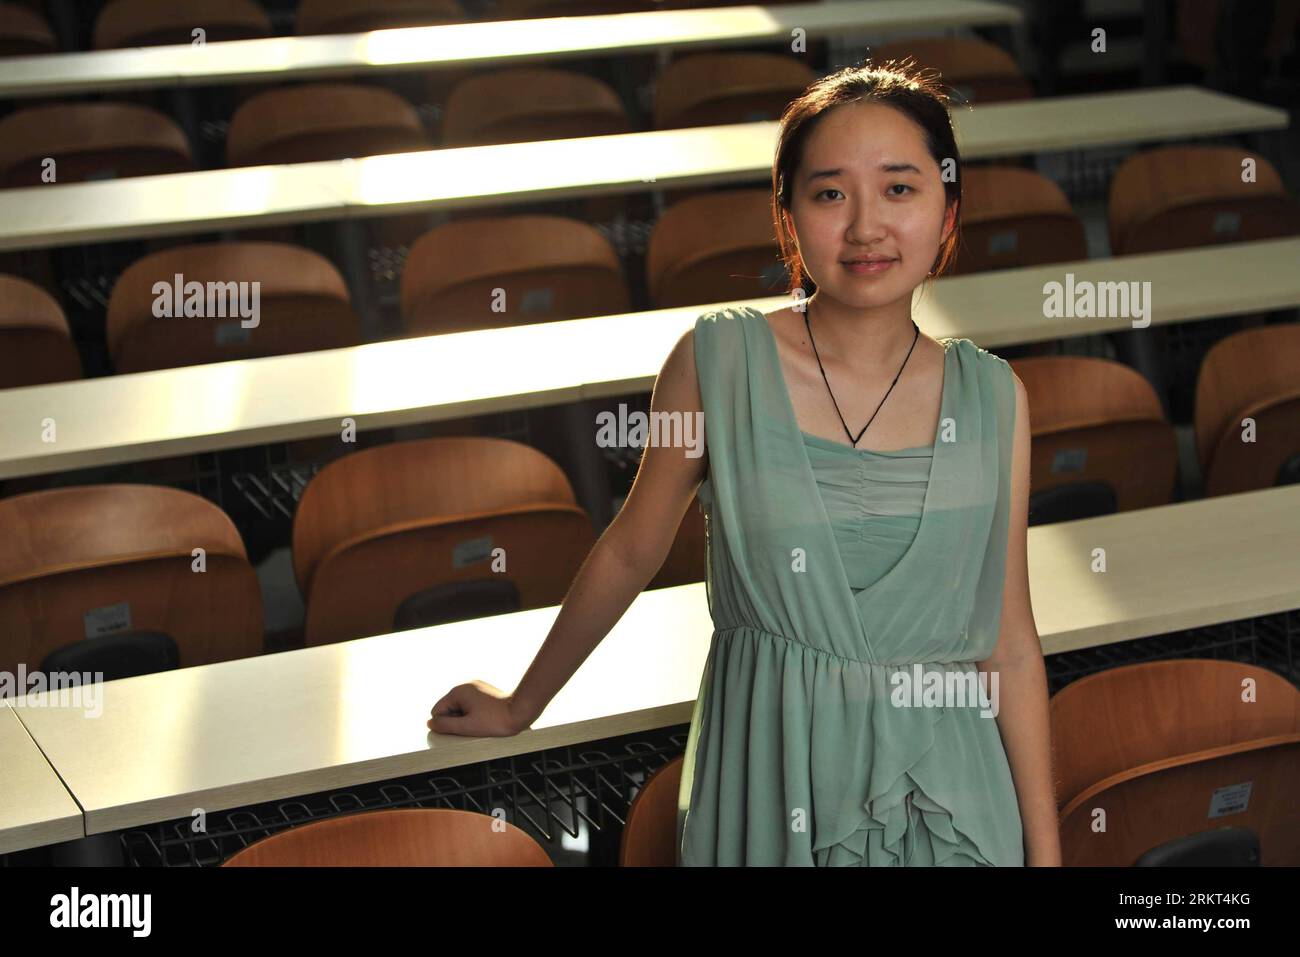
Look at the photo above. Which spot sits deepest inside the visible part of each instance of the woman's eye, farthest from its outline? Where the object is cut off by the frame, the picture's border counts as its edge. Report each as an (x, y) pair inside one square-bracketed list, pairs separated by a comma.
[(825, 191)]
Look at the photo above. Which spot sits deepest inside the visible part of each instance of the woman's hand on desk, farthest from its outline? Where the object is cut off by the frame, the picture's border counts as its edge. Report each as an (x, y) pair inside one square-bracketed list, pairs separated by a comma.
[(476, 710)]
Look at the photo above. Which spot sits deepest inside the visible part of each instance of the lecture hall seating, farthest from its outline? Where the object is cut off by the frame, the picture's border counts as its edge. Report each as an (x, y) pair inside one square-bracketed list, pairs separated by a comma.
[(976, 70), (1012, 217), (35, 341), (1151, 744), (24, 32), (360, 16), (1175, 197), (714, 247), (143, 23), (547, 267), (407, 534), (89, 141), (1101, 441), (303, 305), (402, 837), (1250, 374), (322, 121), (103, 578)]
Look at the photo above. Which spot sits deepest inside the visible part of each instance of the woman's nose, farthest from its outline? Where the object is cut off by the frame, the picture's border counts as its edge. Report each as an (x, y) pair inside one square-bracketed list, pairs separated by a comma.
[(868, 224)]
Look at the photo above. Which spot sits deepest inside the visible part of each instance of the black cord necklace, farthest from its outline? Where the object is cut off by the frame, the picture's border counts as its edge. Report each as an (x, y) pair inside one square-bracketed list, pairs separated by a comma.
[(852, 440)]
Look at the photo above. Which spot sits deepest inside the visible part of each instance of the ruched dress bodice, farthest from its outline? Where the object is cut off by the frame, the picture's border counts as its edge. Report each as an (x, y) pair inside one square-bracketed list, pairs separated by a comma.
[(873, 500)]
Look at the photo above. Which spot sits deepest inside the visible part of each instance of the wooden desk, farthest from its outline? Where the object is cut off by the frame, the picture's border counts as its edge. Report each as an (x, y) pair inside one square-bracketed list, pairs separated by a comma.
[(472, 177), (496, 44), (35, 808), (1179, 566), (134, 418), (220, 736), (243, 732)]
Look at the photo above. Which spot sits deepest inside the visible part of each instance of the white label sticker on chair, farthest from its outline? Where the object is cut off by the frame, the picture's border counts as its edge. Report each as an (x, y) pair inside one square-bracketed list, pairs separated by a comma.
[(232, 333), (1003, 242), (1069, 460), (537, 300), (1232, 799), (470, 551), (1227, 223), (108, 620)]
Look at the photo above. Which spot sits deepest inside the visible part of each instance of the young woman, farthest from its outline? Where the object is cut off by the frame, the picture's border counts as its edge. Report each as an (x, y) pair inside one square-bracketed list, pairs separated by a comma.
[(866, 491)]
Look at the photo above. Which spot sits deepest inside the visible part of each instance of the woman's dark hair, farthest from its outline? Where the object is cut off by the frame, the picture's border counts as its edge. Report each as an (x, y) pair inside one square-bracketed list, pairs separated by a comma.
[(916, 93)]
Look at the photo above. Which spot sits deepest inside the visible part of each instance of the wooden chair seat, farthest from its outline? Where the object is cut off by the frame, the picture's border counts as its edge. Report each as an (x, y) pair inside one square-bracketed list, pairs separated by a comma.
[(687, 558), (303, 305), (87, 561), (1012, 217), (24, 32), (651, 828), (89, 141), (978, 71), (526, 104), (322, 121), (1249, 374), (402, 837), (1132, 716), (714, 247), (1097, 421), (549, 268), (35, 341), (1179, 197), (1250, 785), (361, 16), (144, 23), (711, 89), (381, 526)]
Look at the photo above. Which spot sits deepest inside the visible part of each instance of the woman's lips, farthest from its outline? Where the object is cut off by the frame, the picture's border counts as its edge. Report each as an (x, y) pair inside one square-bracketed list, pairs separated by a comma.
[(869, 268)]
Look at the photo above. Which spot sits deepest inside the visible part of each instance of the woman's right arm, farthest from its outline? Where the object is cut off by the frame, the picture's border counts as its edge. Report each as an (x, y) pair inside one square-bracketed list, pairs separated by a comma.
[(619, 566)]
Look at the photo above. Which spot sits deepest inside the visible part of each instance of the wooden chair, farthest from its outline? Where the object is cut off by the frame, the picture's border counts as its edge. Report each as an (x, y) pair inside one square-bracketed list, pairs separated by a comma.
[(434, 530), (1197, 26), (977, 71), (361, 16), (549, 268), (322, 121), (530, 103), (1250, 785), (651, 828), (710, 89), (1250, 374), (1178, 197), (35, 341), (713, 247), (1013, 217), (1126, 717), (89, 141), (687, 558), (146, 23), (402, 837), (24, 32), (303, 306), (114, 565), (1101, 442)]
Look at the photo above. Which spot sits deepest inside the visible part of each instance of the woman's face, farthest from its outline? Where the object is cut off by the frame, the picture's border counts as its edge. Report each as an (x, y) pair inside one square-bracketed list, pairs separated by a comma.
[(867, 188)]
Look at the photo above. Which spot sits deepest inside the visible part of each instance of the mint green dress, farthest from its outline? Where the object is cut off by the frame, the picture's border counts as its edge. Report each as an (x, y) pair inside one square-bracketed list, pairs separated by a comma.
[(830, 569)]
